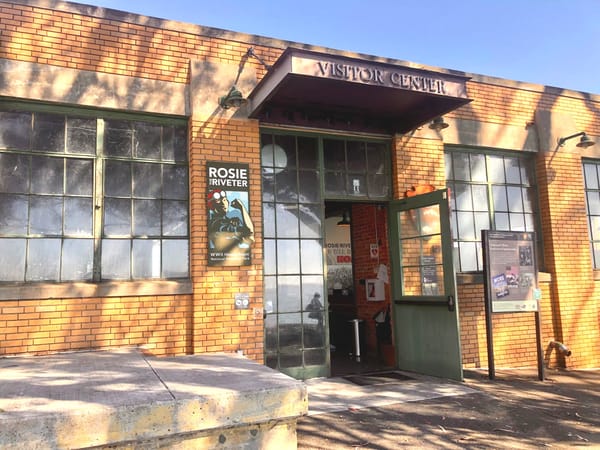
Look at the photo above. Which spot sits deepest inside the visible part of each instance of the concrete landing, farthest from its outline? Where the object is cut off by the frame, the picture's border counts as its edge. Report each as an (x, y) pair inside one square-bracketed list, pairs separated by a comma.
[(124, 399)]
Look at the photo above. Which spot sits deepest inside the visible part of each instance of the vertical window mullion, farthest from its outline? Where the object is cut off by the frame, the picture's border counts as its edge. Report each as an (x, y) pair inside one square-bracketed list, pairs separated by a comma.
[(98, 198)]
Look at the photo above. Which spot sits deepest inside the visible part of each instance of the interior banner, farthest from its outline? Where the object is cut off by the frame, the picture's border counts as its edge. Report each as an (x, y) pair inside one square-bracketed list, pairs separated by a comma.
[(230, 228)]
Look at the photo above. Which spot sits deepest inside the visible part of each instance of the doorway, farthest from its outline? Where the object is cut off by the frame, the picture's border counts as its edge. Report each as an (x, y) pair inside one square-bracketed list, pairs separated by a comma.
[(358, 294)]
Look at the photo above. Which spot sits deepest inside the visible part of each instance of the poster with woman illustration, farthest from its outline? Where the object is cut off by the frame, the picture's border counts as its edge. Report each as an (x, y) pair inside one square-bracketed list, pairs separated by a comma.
[(230, 228)]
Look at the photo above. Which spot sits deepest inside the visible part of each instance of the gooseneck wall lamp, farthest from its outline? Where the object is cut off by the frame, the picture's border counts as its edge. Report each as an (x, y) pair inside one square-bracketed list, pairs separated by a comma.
[(584, 142), (438, 124), (234, 98)]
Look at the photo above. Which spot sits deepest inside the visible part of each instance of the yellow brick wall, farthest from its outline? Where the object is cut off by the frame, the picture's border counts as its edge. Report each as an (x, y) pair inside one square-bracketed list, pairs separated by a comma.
[(206, 320)]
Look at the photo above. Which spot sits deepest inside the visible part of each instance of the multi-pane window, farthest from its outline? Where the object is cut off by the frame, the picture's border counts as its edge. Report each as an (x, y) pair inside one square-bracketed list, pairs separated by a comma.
[(89, 199), (293, 244), (592, 195), (488, 192), (356, 168)]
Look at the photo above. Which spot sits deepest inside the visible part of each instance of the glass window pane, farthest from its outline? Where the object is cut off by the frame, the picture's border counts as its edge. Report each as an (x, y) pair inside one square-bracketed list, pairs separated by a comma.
[(175, 253), (80, 177), (462, 195), (78, 216), (287, 157), (268, 185), (591, 176), (287, 221), (289, 298), (466, 225), (13, 214), (307, 153), (478, 172), (43, 260), (116, 255), (146, 217), (529, 222), (312, 287), (314, 331), (496, 169), (118, 138), (146, 180), (146, 140), (271, 335), (528, 199), (45, 215), (47, 175), (81, 136), (334, 154), (311, 253), (174, 140), (515, 202), (12, 259), (48, 132), (356, 157), (290, 339), (593, 201), (468, 256), (175, 182), (174, 218), (117, 217), (376, 158), (517, 222), (501, 221), (77, 260), (482, 222), (461, 166), (378, 185), (448, 166), (270, 295), (480, 200), (266, 152), (310, 221), (269, 220), (146, 258), (309, 190), (499, 198), (513, 171), (286, 186), (15, 130), (270, 257), (335, 183), (14, 173), (117, 179), (288, 257), (315, 357)]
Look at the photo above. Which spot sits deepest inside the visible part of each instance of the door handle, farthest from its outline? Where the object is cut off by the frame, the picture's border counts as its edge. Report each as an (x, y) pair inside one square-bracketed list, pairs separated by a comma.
[(451, 303)]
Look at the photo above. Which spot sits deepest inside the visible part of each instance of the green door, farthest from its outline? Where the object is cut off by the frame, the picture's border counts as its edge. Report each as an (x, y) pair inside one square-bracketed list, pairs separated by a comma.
[(425, 310)]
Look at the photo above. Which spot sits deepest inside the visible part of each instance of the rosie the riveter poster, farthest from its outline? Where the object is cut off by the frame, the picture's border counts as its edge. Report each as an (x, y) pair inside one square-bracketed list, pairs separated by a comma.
[(230, 229)]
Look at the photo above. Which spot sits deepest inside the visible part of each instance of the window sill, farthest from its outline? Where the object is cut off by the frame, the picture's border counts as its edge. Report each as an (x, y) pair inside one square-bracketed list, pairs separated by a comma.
[(103, 289), (477, 278)]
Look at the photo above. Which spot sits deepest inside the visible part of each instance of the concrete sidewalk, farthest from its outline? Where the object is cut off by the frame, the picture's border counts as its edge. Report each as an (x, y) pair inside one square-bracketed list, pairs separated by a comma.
[(127, 400)]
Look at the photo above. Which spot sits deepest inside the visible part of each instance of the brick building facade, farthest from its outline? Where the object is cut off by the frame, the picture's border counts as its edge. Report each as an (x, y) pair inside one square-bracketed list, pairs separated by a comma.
[(105, 71)]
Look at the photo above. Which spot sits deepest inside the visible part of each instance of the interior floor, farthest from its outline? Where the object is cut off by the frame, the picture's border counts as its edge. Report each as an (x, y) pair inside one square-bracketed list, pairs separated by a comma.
[(343, 364)]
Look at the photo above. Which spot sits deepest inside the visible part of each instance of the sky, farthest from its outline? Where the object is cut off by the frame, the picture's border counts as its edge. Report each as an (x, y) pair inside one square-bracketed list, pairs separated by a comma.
[(549, 42)]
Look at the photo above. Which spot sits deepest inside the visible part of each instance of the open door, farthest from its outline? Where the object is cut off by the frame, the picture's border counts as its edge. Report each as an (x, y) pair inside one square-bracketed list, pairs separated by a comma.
[(425, 310)]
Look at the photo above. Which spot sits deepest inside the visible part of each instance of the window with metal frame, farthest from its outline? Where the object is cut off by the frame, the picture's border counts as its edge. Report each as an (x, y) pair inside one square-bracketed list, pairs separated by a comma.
[(90, 198), (592, 198), (488, 191)]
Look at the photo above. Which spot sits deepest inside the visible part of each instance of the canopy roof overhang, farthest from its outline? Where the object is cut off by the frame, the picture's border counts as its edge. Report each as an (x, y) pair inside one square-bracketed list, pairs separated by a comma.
[(307, 88)]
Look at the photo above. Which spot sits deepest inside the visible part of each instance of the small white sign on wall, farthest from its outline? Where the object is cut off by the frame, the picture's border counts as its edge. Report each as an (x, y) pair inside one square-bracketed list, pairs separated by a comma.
[(375, 290)]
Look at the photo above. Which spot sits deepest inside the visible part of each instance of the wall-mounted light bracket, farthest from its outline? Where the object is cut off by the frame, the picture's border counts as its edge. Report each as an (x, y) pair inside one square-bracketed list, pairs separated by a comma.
[(584, 142), (234, 98)]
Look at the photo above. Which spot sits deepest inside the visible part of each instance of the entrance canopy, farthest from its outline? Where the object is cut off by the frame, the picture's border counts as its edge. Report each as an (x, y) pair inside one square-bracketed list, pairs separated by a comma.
[(307, 88)]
